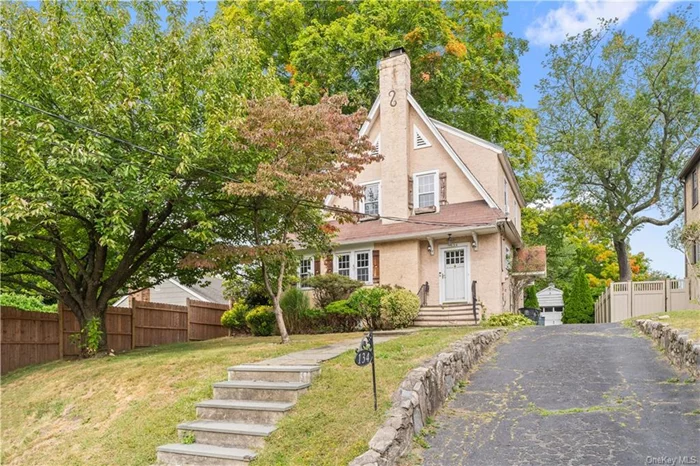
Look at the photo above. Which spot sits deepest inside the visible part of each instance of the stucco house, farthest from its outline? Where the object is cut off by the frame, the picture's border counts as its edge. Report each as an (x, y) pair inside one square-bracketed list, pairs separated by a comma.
[(689, 179), (442, 210)]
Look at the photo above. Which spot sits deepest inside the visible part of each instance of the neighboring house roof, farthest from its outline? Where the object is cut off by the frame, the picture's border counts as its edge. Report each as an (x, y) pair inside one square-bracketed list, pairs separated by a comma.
[(464, 215), (213, 292), (531, 262), (550, 296), (692, 162)]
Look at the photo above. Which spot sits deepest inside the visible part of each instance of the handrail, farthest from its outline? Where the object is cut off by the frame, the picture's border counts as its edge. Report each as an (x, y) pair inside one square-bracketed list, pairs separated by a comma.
[(423, 294), (476, 320)]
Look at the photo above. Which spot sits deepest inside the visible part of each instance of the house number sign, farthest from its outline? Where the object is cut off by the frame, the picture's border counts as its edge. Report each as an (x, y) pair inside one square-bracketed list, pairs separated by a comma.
[(364, 355)]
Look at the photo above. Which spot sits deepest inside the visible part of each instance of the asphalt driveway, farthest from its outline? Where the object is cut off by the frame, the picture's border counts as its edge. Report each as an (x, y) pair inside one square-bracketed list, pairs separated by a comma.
[(571, 395)]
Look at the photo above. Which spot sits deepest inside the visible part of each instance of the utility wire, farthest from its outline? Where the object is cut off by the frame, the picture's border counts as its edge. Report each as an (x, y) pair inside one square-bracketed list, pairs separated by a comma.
[(217, 174)]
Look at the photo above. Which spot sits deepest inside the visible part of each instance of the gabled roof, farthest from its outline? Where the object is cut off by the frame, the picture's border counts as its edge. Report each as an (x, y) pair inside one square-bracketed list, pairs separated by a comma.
[(690, 164), (212, 293)]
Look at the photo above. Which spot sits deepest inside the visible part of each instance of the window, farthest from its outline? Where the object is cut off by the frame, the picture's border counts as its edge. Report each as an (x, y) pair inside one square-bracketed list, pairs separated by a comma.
[(370, 204), (356, 265), (362, 266), (505, 194), (506, 259), (426, 190), (695, 187), (344, 264), (306, 268)]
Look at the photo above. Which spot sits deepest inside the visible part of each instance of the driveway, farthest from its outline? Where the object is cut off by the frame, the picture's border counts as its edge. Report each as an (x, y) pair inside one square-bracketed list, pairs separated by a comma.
[(570, 395)]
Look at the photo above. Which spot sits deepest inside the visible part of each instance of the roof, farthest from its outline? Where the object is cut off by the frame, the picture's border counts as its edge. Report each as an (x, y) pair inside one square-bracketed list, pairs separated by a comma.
[(551, 289), (531, 261), (463, 215), (213, 292), (692, 162)]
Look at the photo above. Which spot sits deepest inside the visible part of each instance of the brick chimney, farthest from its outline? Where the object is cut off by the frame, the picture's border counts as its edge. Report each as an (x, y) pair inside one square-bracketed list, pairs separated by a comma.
[(394, 87)]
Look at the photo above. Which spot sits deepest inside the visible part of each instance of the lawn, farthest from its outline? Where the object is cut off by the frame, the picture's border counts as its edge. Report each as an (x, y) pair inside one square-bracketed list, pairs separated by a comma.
[(116, 410), (686, 320)]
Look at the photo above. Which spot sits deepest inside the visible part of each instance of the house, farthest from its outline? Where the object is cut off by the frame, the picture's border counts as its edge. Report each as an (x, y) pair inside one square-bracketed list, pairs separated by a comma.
[(172, 291), (689, 179), (551, 301), (442, 209)]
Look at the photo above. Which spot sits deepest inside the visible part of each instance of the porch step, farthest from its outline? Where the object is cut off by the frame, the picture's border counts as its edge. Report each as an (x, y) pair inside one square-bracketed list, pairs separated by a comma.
[(462, 313), (226, 434), (259, 391), (444, 323), (450, 307), (200, 454), (261, 373), (253, 412)]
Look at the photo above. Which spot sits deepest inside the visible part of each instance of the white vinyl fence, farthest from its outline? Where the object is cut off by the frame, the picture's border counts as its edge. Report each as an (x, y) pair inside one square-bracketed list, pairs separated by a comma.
[(623, 300)]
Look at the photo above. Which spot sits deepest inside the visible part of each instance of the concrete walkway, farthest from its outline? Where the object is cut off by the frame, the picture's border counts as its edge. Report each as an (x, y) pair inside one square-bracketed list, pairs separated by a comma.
[(324, 353), (571, 395)]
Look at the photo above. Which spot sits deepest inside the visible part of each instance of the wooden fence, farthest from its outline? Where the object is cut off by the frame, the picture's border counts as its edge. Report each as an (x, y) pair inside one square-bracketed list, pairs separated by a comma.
[(34, 337), (624, 300)]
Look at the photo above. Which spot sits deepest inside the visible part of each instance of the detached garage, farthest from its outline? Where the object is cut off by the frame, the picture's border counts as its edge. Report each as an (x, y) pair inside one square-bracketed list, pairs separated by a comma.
[(551, 301)]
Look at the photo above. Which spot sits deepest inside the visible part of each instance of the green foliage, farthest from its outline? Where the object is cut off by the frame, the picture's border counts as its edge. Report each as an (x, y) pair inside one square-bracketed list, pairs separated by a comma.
[(368, 303), (578, 301), (531, 297), (338, 316), (25, 302), (261, 321), (89, 338), (331, 287), (507, 320), (235, 318), (399, 308), (294, 303)]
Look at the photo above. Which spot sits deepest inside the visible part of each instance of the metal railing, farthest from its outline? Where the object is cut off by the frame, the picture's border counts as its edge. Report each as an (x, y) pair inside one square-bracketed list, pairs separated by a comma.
[(423, 294), (476, 319)]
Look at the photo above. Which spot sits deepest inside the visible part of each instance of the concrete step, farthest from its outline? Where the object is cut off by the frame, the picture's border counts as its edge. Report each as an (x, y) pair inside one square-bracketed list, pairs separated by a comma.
[(246, 412), (259, 391), (226, 434), (468, 313), (260, 373), (178, 454), (444, 323)]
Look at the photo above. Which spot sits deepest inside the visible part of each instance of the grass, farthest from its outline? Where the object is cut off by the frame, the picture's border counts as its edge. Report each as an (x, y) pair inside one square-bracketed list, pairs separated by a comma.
[(336, 419), (685, 320), (116, 410)]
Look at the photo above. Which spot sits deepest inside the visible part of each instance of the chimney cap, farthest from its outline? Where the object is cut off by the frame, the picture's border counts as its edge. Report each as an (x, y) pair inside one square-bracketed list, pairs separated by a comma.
[(395, 52)]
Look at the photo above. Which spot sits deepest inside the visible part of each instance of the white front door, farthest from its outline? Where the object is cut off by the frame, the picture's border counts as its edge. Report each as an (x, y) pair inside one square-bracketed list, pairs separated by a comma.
[(453, 282)]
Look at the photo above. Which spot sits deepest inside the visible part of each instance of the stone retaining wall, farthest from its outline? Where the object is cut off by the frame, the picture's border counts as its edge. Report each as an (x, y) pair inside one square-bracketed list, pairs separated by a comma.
[(679, 347), (420, 395)]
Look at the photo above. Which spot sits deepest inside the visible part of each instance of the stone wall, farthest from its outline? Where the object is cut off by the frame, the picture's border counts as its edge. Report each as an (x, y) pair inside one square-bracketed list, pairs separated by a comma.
[(678, 346), (420, 395)]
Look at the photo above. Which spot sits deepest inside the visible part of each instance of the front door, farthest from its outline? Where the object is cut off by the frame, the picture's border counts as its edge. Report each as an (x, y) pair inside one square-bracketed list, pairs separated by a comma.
[(454, 275)]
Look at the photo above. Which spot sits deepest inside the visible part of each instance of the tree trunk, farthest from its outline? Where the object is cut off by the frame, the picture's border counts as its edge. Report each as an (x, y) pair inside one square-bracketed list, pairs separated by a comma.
[(623, 260), (280, 320), (88, 313)]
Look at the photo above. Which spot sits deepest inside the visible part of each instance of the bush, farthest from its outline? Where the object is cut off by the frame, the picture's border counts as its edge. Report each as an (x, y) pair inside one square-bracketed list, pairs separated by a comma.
[(234, 318), (340, 317), (399, 308), (531, 298), (331, 287), (89, 337), (295, 303), (508, 320), (261, 321), (578, 301), (26, 302), (368, 304)]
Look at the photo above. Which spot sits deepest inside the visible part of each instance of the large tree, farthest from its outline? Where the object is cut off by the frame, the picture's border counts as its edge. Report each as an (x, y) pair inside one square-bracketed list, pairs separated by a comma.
[(618, 115), (464, 67), (84, 216)]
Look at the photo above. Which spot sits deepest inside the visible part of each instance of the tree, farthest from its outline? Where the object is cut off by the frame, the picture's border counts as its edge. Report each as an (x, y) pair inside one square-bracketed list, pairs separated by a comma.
[(531, 298), (302, 153), (578, 301), (464, 67), (85, 218), (617, 116)]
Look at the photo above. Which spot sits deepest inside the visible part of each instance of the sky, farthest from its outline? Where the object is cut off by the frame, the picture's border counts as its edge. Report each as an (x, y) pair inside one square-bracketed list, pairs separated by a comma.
[(548, 22)]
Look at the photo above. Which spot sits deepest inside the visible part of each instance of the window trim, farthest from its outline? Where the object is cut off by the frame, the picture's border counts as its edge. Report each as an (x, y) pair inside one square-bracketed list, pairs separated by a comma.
[(436, 189), (353, 263), (311, 270), (379, 197), (694, 187)]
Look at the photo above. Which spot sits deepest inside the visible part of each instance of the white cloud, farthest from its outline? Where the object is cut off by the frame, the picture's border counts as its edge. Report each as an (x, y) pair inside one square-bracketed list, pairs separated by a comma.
[(576, 16), (660, 8)]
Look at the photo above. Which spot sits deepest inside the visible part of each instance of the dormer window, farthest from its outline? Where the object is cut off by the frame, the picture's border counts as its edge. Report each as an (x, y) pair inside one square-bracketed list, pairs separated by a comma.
[(419, 141), (425, 191), (370, 203)]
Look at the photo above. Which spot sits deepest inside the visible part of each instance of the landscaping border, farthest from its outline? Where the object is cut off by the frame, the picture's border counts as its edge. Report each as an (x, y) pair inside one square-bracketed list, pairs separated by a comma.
[(680, 349), (420, 395)]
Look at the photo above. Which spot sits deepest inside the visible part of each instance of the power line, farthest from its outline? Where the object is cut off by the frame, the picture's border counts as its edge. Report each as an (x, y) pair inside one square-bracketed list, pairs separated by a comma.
[(220, 175)]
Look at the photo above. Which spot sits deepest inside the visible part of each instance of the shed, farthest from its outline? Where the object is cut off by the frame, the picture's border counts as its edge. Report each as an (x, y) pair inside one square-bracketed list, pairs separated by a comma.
[(551, 301)]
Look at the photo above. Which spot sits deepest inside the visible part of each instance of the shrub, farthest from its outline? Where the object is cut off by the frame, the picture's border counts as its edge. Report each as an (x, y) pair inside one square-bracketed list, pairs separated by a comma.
[(340, 317), (294, 303), (368, 304), (399, 308), (261, 321), (578, 301), (26, 302), (531, 298), (331, 287), (88, 339), (234, 318), (508, 320)]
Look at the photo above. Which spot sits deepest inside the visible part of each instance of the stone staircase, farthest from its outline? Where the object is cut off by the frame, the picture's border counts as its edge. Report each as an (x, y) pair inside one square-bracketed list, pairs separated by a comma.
[(447, 315), (243, 412)]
